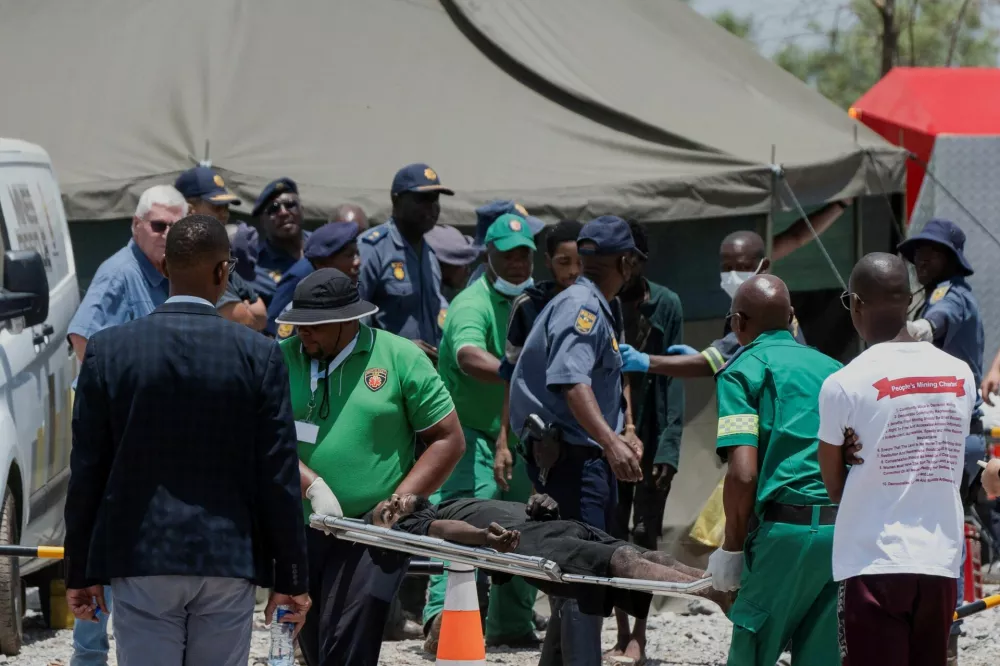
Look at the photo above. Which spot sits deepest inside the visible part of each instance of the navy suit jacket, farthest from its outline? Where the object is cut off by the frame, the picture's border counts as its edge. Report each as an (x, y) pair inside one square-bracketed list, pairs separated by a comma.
[(184, 456)]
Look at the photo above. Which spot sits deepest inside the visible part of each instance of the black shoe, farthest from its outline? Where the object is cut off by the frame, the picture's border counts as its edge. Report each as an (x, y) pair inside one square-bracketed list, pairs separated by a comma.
[(953, 650)]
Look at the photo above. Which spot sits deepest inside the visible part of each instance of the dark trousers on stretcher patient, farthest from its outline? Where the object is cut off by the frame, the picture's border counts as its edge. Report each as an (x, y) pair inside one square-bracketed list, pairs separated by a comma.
[(787, 596)]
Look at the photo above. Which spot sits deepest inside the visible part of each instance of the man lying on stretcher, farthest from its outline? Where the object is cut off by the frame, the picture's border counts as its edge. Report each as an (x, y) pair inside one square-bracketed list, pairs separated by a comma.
[(534, 529)]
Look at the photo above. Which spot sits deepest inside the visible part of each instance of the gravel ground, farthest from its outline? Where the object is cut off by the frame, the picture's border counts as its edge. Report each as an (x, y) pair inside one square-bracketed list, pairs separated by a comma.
[(675, 639)]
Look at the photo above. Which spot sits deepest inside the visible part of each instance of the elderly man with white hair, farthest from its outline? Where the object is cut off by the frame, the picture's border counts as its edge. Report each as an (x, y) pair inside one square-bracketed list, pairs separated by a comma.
[(128, 285)]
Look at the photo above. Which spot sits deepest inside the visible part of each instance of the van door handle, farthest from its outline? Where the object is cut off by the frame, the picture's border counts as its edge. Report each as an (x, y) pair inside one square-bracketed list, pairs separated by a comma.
[(48, 330), (39, 339)]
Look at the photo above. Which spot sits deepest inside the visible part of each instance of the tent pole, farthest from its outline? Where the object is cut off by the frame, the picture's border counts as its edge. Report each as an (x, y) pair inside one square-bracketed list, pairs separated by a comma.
[(859, 251), (769, 222)]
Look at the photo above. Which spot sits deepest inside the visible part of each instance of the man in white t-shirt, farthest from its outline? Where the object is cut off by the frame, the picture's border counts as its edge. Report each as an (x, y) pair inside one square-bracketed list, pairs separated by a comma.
[(897, 541)]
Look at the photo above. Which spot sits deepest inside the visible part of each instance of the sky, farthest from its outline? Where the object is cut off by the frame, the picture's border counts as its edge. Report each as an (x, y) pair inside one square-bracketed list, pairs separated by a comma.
[(778, 22)]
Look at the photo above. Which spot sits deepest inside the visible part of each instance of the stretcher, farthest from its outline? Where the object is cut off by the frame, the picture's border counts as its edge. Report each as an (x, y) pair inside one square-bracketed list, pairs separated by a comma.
[(358, 531)]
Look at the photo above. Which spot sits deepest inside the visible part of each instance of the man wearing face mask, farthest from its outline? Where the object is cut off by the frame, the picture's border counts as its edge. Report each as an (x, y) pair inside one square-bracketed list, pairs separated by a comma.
[(399, 273), (487, 214), (361, 397), (741, 256), (569, 374), (475, 333)]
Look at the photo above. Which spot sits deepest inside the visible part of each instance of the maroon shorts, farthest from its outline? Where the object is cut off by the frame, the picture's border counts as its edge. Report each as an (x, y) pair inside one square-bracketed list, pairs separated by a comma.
[(896, 619)]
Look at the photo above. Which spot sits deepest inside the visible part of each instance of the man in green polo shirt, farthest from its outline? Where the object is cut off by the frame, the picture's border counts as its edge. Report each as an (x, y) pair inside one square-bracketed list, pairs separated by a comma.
[(360, 398), (475, 334), (778, 548)]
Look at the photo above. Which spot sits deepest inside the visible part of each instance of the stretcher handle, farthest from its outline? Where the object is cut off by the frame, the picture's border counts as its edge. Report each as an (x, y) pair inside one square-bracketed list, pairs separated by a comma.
[(976, 606), (47, 552)]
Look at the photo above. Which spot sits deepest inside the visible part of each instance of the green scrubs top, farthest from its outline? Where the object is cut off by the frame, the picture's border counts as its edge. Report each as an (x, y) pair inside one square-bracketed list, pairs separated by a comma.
[(768, 398), (383, 394), (478, 317)]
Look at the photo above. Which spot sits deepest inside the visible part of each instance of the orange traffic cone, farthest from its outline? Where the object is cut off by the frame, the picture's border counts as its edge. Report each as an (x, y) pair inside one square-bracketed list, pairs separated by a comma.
[(461, 642)]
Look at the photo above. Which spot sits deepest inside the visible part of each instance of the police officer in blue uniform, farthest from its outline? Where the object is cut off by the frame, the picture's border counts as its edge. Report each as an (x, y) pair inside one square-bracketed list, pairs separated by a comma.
[(949, 318), (279, 217), (333, 245), (569, 374), (399, 272), (487, 214)]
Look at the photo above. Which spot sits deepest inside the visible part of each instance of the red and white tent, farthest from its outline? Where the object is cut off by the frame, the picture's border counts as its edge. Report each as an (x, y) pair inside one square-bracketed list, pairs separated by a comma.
[(950, 120), (913, 106)]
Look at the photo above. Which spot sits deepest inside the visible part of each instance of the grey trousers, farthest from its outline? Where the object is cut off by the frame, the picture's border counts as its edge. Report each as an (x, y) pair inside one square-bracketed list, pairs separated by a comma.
[(182, 621)]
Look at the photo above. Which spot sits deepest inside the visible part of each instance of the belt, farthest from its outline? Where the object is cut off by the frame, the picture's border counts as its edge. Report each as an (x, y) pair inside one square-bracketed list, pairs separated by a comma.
[(575, 452), (799, 514), (976, 427)]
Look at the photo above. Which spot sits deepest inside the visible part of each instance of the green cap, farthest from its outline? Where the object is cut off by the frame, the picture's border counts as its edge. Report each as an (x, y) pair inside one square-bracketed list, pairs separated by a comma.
[(509, 231)]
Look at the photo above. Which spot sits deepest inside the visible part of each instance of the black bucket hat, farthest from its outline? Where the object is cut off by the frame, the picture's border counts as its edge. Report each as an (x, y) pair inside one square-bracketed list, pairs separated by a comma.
[(326, 296)]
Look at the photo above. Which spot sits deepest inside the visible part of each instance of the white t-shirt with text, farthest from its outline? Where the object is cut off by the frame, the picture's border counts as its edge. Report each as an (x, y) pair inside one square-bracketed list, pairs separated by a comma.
[(910, 404)]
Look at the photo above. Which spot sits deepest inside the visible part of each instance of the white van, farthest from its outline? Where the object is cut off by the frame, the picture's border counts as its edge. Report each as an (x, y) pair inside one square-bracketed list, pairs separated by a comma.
[(38, 297)]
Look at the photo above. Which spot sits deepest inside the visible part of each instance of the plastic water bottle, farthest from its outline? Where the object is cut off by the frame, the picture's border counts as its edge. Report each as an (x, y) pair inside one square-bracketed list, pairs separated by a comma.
[(282, 646)]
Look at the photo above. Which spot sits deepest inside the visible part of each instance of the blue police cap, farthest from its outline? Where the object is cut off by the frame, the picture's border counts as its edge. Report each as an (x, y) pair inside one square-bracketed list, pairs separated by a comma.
[(939, 232), (451, 246), (487, 214), (418, 178), (243, 245), (330, 239), (202, 182), (610, 234), (271, 190)]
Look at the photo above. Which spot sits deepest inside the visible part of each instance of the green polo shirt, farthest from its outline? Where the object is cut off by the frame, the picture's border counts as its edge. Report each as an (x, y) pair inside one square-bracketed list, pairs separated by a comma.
[(478, 317), (381, 396), (768, 398)]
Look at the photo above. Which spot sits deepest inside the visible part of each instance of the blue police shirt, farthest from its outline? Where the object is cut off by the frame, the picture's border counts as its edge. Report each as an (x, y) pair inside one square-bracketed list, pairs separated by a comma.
[(283, 296), (573, 341), (953, 312), (126, 286), (272, 263), (403, 283)]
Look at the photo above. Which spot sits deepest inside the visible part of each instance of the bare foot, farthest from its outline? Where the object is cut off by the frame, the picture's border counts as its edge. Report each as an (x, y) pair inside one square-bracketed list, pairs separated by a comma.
[(636, 651)]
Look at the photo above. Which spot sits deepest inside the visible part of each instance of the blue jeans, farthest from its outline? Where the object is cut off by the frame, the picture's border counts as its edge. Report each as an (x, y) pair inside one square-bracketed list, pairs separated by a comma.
[(975, 450), (586, 490), (90, 639)]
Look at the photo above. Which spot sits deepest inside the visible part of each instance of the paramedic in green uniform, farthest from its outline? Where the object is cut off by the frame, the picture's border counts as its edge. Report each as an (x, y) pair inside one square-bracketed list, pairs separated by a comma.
[(475, 334), (361, 398), (778, 546)]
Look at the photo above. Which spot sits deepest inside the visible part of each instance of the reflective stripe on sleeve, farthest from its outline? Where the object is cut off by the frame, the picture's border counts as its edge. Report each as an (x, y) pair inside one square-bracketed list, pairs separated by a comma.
[(739, 424), (714, 358)]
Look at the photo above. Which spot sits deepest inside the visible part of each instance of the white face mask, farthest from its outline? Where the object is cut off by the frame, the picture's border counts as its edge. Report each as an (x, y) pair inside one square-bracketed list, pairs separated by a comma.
[(732, 280), (510, 289)]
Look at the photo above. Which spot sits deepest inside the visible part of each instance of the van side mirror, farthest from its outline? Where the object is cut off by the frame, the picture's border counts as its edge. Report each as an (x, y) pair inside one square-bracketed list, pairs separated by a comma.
[(26, 288)]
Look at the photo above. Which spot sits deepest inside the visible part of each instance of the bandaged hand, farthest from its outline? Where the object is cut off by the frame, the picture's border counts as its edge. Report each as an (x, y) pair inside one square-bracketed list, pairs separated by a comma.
[(726, 569), (632, 360), (920, 329), (681, 350), (323, 500)]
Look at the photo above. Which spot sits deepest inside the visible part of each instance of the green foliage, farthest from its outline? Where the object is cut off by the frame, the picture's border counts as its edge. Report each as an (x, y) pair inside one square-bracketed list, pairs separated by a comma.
[(929, 33), (741, 26)]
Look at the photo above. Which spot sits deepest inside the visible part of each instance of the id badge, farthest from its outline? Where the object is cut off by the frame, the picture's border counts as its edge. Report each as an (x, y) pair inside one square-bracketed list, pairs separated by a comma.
[(306, 432)]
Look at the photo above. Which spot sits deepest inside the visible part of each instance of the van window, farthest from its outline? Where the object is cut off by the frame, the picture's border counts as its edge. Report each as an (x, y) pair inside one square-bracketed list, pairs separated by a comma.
[(38, 223)]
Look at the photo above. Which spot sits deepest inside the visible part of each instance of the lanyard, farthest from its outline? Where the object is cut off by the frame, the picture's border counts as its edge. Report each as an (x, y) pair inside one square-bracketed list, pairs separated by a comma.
[(315, 372)]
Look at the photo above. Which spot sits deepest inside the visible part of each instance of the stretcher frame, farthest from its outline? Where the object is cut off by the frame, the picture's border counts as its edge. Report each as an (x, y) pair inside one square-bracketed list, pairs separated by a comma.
[(350, 529)]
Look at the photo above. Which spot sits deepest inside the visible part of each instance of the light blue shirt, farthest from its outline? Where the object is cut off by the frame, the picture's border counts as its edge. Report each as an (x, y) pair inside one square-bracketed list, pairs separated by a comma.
[(181, 298), (573, 341), (126, 286), (958, 328), (404, 283)]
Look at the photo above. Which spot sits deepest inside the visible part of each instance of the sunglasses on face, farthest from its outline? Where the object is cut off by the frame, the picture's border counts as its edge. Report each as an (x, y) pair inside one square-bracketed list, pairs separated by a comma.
[(276, 206), (159, 227)]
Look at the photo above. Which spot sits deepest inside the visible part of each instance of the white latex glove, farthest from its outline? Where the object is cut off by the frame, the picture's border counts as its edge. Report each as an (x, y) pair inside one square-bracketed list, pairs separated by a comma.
[(323, 500), (921, 329), (726, 568)]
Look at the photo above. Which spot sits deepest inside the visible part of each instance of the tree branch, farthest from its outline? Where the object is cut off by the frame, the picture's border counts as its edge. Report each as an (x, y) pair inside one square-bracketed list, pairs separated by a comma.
[(956, 27)]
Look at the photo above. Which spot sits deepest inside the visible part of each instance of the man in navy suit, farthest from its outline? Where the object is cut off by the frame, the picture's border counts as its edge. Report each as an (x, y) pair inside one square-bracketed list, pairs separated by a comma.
[(184, 488)]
